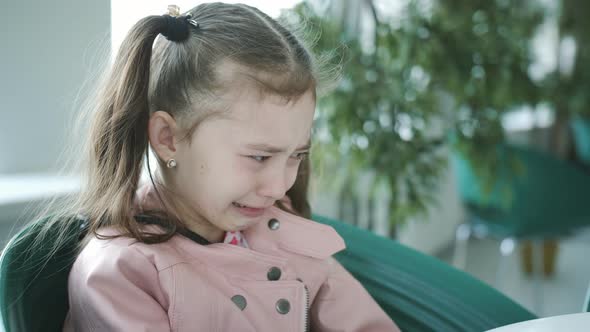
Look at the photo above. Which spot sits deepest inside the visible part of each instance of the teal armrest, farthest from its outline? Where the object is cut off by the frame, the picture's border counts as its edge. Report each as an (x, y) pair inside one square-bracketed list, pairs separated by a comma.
[(419, 292)]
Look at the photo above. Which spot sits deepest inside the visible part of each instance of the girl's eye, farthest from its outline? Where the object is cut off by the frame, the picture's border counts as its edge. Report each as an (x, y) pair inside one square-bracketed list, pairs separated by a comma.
[(259, 158), (298, 156)]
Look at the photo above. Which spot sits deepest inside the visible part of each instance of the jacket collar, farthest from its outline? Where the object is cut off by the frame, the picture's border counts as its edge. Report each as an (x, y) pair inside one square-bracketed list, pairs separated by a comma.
[(295, 234), (290, 232)]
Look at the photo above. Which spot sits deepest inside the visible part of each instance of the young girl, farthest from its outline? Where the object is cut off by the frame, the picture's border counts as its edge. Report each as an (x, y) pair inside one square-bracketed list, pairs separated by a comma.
[(219, 239)]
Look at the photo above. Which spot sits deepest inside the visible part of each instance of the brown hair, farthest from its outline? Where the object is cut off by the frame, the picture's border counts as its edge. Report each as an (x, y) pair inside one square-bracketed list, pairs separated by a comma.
[(183, 78)]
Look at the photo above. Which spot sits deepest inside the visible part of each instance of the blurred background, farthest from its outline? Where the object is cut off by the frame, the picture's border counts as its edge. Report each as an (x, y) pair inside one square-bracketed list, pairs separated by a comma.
[(459, 128)]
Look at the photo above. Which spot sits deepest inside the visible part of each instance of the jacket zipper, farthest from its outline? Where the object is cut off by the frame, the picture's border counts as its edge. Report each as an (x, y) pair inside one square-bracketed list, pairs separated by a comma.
[(306, 310)]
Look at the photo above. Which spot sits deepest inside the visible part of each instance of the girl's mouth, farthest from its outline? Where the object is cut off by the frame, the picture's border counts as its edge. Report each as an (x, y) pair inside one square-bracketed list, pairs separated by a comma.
[(249, 211), (239, 205)]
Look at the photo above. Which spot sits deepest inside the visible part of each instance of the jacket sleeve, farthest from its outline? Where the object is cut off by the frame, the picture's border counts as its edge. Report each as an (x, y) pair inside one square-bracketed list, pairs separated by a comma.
[(342, 304), (115, 288)]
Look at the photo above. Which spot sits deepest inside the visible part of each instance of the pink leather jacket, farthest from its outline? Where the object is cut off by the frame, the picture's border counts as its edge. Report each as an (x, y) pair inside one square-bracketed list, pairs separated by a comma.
[(286, 281)]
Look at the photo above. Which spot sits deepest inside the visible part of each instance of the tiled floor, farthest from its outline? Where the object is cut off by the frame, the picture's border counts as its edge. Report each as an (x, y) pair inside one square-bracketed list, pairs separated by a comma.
[(563, 293)]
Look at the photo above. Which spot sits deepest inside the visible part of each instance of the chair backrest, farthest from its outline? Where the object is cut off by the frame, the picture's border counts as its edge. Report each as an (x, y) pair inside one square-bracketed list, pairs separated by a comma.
[(420, 292), (33, 288), (581, 134), (532, 192)]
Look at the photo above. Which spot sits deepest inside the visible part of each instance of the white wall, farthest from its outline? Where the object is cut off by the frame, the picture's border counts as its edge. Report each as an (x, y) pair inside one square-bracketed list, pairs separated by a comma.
[(436, 231), (429, 234), (46, 50)]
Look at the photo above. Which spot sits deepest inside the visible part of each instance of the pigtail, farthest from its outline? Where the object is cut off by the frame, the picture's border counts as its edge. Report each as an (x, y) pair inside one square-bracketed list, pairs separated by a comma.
[(110, 159), (120, 132)]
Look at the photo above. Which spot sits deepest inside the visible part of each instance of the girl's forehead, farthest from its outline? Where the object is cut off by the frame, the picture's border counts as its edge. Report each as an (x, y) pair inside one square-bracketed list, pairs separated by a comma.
[(248, 104), (271, 119), (235, 81)]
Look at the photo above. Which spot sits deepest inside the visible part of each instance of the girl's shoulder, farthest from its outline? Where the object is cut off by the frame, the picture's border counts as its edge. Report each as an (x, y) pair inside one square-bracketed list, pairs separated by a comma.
[(112, 246)]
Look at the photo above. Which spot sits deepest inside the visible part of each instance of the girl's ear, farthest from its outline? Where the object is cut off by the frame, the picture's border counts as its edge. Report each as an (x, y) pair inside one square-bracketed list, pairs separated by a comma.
[(162, 134)]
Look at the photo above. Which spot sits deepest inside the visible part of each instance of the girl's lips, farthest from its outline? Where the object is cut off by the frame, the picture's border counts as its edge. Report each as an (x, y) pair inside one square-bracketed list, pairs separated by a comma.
[(249, 211)]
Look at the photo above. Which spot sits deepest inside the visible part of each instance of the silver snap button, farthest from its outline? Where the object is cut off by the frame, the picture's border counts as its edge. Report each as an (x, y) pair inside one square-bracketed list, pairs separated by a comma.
[(274, 273), (283, 306), (274, 224), (240, 301)]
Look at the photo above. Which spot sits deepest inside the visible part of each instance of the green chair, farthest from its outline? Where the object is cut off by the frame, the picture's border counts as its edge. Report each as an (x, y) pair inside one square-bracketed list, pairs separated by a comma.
[(33, 290), (581, 135), (545, 198), (419, 292)]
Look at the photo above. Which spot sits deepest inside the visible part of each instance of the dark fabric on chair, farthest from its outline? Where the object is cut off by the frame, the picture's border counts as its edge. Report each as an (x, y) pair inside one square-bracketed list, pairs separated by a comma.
[(33, 290)]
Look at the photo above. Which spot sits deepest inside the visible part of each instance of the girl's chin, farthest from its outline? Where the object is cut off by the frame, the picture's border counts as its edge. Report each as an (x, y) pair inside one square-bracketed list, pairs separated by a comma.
[(241, 228), (242, 223)]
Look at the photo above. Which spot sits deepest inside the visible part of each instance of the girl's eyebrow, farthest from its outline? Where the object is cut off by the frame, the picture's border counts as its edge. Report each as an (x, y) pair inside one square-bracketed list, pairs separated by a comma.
[(274, 149)]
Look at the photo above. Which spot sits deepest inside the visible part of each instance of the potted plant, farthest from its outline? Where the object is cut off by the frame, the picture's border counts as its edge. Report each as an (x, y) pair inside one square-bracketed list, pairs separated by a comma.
[(388, 114), (380, 118), (568, 84)]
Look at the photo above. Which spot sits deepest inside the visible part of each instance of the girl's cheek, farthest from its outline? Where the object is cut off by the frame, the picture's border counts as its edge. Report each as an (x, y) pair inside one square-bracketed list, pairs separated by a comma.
[(292, 177), (246, 167), (243, 173)]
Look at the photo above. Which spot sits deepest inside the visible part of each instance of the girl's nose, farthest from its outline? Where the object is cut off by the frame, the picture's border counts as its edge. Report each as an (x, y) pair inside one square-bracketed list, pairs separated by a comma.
[(275, 184), (274, 188)]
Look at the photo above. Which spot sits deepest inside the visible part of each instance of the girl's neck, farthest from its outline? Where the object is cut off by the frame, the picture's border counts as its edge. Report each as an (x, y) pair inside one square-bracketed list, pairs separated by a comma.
[(196, 223), (183, 212), (209, 232)]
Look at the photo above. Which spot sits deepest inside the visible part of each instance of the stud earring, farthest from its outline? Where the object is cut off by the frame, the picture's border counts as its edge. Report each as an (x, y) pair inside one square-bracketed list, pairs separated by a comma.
[(171, 163)]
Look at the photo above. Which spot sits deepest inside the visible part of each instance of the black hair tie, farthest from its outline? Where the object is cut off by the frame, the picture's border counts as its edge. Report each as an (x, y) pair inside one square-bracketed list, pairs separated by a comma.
[(177, 28)]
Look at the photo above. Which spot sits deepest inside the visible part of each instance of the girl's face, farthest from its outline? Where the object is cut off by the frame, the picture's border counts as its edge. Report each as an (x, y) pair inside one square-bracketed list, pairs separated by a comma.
[(239, 165)]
